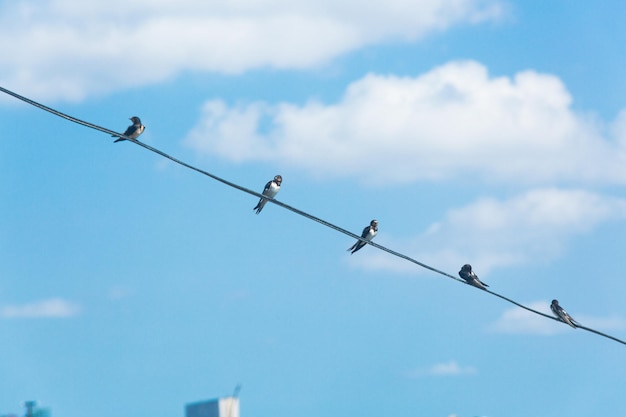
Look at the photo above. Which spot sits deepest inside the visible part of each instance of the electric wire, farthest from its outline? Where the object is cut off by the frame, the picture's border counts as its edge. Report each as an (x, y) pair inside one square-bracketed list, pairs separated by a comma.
[(290, 208)]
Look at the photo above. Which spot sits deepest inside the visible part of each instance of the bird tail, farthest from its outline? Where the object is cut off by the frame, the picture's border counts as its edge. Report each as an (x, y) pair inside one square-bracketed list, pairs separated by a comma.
[(259, 205), (478, 284), (357, 246), (118, 140)]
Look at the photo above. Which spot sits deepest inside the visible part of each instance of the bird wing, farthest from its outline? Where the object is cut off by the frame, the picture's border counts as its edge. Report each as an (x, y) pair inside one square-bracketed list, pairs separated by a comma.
[(131, 129), (267, 187)]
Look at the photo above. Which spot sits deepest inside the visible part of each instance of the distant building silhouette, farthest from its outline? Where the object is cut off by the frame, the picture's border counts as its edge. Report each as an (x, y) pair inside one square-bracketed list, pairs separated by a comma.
[(219, 407), (33, 411)]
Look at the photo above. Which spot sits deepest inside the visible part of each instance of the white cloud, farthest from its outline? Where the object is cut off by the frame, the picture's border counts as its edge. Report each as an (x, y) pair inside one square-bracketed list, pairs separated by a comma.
[(51, 308), (120, 292), (450, 368), (68, 49), (452, 122), (490, 233), (519, 321)]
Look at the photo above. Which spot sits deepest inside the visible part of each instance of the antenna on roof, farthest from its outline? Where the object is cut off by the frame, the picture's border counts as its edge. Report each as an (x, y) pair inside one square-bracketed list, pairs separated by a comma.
[(233, 399)]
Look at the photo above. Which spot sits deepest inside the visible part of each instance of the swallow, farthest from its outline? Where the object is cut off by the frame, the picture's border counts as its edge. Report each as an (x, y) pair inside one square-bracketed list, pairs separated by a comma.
[(271, 189), (562, 314), (133, 130), (471, 278), (368, 234)]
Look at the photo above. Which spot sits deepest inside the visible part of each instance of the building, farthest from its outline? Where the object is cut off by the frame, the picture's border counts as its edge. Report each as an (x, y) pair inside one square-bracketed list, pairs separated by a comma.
[(31, 411), (219, 407)]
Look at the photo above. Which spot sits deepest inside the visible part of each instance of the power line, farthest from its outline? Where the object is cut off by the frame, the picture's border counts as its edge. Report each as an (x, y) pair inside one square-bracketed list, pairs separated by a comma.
[(288, 207)]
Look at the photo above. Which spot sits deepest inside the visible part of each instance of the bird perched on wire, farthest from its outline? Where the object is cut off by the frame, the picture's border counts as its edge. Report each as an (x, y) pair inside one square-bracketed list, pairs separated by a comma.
[(368, 234), (271, 189), (133, 130), (562, 314), (471, 278)]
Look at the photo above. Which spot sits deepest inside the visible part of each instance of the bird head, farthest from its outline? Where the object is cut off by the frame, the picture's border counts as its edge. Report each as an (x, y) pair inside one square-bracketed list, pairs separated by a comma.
[(278, 179)]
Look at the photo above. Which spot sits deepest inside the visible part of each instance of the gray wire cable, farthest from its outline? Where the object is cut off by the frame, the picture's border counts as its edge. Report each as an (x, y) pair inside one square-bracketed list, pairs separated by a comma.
[(288, 207)]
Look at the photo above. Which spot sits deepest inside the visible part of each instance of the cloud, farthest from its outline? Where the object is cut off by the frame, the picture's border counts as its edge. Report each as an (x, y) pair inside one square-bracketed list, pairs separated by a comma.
[(530, 227), (64, 49), (450, 368), (452, 122), (51, 308), (519, 321), (120, 292)]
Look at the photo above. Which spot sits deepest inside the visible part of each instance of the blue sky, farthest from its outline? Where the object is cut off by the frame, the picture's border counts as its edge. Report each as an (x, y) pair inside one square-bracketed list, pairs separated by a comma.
[(481, 131)]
